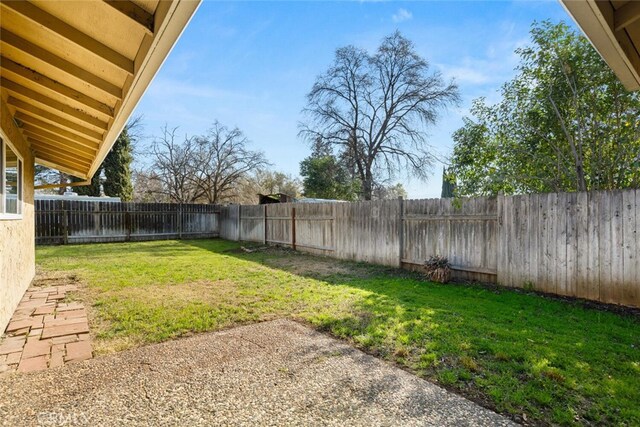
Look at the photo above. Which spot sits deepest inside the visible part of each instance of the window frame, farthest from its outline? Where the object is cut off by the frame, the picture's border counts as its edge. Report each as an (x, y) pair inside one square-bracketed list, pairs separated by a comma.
[(4, 143)]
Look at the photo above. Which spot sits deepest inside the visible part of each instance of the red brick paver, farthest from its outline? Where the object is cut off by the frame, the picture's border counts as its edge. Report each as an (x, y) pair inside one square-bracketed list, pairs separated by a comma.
[(78, 351), (37, 363), (45, 332)]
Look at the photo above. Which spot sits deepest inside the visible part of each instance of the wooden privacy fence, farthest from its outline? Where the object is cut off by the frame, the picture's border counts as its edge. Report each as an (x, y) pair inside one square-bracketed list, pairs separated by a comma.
[(299, 225), (67, 221), (574, 244), (583, 245), (388, 232)]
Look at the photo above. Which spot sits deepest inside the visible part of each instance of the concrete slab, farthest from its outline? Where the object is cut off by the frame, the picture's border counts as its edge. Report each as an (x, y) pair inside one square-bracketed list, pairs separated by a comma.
[(272, 373)]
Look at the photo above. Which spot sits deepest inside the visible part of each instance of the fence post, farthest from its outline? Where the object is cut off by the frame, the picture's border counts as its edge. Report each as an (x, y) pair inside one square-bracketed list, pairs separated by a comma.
[(127, 223), (179, 221), (501, 269), (334, 227), (293, 228), (400, 230), (65, 226), (448, 247), (239, 221), (265, 224)]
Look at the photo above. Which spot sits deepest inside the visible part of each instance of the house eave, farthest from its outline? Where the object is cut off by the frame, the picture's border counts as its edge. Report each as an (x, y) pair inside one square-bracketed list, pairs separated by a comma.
[(617, 45)]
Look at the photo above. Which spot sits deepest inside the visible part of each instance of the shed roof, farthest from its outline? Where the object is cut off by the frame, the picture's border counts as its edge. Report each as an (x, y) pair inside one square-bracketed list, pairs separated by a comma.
[(71, 72)]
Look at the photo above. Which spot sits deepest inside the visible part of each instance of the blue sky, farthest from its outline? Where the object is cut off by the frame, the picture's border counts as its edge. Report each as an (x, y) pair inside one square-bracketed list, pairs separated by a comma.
[(250, 64)]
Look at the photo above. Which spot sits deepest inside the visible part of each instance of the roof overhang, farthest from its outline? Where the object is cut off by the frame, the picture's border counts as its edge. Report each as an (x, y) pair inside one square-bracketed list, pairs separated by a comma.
[(72, 72), (613, 27)]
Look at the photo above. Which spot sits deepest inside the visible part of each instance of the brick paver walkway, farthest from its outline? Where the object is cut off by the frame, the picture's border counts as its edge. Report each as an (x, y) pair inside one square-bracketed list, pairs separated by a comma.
[(45, 332)]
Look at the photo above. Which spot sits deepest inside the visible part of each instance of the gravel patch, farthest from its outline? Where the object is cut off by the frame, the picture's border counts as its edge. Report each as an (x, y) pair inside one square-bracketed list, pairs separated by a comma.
[(272, 373)]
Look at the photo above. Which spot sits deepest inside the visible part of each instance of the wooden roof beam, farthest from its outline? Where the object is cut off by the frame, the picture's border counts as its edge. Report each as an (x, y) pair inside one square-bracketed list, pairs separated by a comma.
[(59, 160), (56, 105), (626, 15), (56, 148), (44, 55), (46, 82), (61, 28), (40, 146), (62, 168), (134, 12), (34, 121), (62, 184), (31, 110), (87, 146)]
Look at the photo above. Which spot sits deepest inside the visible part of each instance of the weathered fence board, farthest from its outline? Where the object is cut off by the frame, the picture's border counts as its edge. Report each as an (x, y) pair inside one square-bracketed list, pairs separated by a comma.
[(229, 222), (279, 223), (252, 223), (65, 221), (582, 245), (368, 231), (315, 227), (464, 231)]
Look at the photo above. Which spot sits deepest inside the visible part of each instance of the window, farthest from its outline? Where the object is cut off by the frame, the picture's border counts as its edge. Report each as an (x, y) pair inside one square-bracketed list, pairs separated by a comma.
[(10, 182)]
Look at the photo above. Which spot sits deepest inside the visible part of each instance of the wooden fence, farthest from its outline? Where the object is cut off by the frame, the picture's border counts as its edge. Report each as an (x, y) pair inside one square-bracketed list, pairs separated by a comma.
[(584, 245), (388, 232), (65, 221)]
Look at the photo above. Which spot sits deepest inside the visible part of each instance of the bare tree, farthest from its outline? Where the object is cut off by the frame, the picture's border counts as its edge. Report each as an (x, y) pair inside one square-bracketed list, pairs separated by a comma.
[(222, 160), (211, 168), (147, 187), (374, 109), (264, 181), (174, 166), (271, 182)]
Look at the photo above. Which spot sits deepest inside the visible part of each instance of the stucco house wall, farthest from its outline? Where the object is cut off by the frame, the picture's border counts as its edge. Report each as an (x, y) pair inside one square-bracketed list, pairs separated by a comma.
[(17, 242)]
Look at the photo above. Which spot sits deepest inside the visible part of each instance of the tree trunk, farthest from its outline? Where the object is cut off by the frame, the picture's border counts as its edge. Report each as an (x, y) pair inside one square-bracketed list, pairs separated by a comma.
[(367, 186), (63, 179), (582, 182)]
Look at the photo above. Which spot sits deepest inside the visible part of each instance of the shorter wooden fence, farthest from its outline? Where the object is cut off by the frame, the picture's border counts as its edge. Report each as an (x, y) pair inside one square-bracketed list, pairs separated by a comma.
[(70, 221)]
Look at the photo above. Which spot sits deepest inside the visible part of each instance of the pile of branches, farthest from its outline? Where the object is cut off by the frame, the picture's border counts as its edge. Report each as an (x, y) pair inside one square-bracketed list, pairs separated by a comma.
[(438, 269)]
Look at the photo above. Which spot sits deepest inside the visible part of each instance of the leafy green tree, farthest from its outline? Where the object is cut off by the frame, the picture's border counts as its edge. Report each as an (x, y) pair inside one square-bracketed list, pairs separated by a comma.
[(324, 177), (564, 123)]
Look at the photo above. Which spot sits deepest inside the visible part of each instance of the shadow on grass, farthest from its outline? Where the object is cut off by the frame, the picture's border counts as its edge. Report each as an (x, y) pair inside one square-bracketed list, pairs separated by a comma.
[(555, 361)]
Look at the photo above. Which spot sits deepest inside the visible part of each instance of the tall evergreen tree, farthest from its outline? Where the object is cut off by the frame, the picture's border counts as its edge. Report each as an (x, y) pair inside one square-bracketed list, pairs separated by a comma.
[(448, 184), (88, 190), (117, 168)]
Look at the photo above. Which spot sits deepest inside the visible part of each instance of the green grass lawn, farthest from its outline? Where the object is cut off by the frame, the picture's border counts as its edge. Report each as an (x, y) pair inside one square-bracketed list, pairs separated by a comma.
[(551, 361)]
